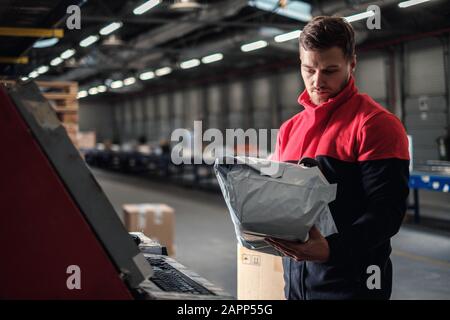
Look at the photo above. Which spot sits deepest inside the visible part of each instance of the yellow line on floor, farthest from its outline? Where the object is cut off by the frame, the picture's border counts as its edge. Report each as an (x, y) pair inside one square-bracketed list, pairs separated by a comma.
[(436, 262)]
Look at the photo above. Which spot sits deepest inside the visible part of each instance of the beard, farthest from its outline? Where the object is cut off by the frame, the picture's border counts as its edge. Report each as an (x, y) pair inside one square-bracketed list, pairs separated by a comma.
[(317, 98)]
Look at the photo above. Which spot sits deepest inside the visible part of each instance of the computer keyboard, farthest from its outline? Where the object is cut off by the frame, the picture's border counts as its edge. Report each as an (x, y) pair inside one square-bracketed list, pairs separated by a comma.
[(169, 279)]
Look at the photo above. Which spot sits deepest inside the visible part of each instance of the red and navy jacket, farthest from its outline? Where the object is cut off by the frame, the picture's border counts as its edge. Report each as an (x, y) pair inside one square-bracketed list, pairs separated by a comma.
[(364, 149)]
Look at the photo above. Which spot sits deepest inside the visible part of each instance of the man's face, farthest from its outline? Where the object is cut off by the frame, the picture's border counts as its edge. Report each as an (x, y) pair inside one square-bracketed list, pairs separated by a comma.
[(325, 72)]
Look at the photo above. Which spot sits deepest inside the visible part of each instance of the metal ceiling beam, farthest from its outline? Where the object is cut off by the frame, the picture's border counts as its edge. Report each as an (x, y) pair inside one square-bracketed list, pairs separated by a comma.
[(342, 8), (212, 22), (31, 32), (181, 27), (14, 60), (167, 32), (224, 43)]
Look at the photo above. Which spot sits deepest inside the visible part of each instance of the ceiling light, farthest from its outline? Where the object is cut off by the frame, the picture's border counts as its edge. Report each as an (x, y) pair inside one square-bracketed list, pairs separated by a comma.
[(24, 78), (406, 4), (146, 6), (185, 5), (67, 54), (42, 69), (110, 28), (299, 10), (45, 43), (190, 64), (101, 88), (254, 46), (33, 74), (360, 16), (163, 71), (56, 61), (88, 41), (212, 58), (129, 81), (92, 91), (116, 84), (147, 75), (82, 94), (288, 36)]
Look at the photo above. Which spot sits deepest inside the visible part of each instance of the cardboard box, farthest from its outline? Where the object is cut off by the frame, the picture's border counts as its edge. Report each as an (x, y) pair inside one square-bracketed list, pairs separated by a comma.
[(86, 140), (155, 220), (259, 276)]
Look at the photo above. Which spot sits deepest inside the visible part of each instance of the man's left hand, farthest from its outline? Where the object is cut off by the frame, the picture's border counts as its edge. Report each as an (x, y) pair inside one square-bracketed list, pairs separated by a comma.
[(316, 249)]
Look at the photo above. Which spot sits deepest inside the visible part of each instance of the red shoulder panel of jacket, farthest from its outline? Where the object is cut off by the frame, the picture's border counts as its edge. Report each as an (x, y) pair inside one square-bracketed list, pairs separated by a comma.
[(359, 129)]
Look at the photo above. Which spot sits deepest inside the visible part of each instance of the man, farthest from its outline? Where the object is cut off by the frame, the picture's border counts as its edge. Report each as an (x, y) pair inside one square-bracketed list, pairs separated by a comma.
[(360, 146)]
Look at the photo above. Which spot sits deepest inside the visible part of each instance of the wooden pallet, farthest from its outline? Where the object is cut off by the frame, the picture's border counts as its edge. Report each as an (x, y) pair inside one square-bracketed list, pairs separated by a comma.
[(62, 95)]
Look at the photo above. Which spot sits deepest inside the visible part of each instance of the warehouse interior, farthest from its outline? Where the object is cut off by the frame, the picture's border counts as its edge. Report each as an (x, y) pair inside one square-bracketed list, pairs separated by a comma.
[(124, 76)]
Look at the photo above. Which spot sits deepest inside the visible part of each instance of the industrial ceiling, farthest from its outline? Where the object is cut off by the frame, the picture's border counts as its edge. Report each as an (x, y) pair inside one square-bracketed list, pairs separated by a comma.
[(129, 46)]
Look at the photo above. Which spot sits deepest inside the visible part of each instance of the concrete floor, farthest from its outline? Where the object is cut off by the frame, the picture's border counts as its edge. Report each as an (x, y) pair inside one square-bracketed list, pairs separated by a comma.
[(205, 240)]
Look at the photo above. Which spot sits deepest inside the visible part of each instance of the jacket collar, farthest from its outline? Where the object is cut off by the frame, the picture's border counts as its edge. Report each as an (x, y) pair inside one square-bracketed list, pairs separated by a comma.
[(332, 103)]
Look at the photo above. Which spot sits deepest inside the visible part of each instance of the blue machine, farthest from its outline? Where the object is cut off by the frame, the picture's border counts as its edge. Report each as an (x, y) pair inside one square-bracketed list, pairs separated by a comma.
[(428, 180)]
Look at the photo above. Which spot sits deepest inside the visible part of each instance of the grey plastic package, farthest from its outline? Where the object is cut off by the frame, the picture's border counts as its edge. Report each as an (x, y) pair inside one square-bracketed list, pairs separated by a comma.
[(274, 199)]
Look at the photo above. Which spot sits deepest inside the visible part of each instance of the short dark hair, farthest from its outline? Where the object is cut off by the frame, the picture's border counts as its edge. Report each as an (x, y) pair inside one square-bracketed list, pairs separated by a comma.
[(325, 32)]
